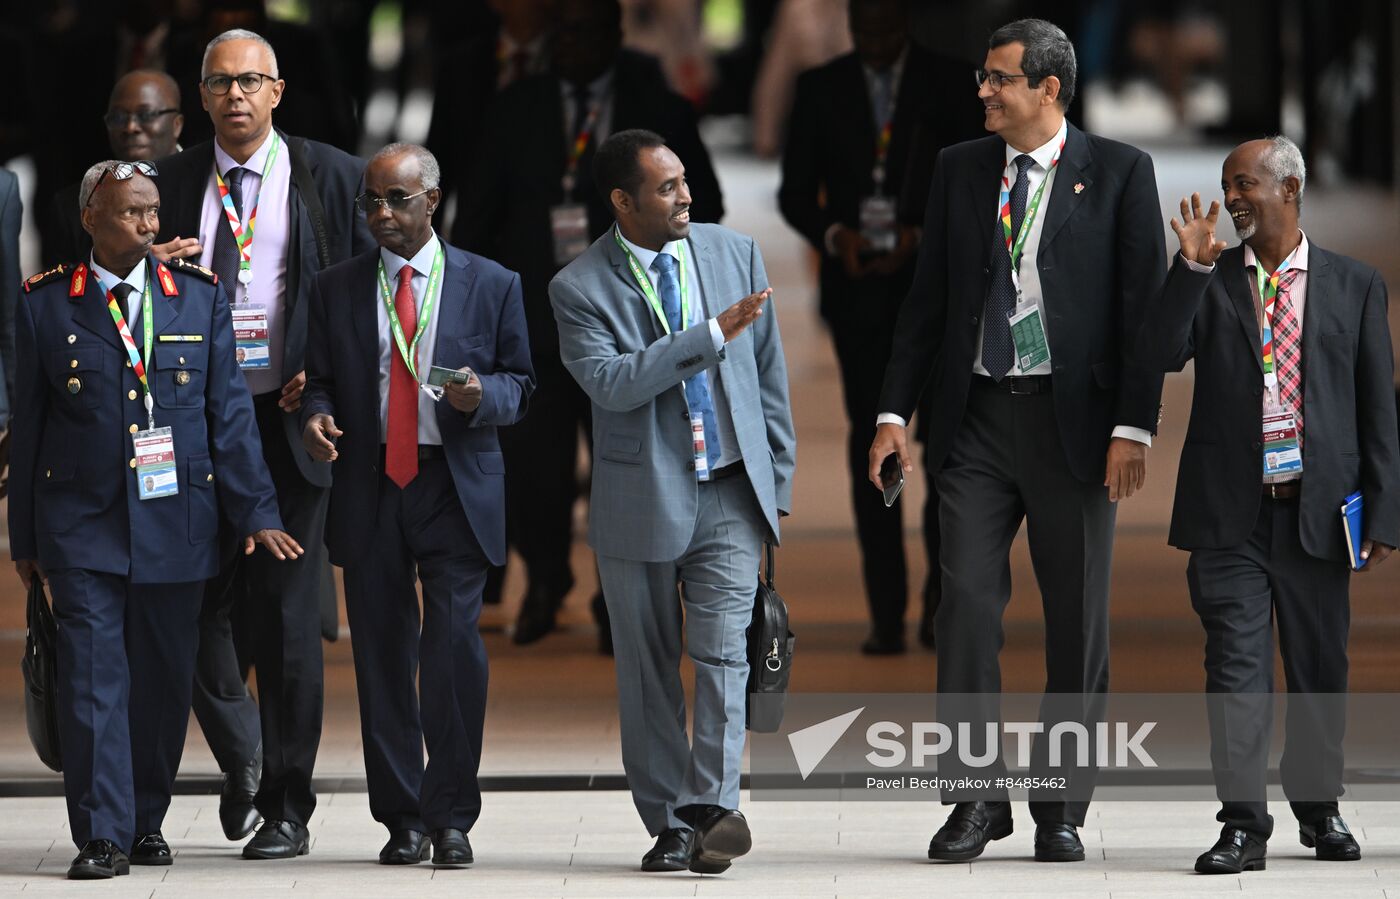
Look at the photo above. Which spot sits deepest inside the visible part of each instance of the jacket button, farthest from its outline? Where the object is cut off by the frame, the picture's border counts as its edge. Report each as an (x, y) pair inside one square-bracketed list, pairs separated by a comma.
[(132, 463), (209, 477), (73, 364), (134, 428), (48, 473), (131, 394), (182, 360), (973, 318), (128, 363)]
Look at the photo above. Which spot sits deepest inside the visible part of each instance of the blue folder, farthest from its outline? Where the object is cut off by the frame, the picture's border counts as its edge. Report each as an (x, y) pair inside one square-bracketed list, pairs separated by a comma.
[(1351, 526)]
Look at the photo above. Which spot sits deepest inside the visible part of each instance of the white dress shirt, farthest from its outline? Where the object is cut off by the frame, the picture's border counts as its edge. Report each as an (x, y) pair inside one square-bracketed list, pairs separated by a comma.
[(728, 440), (1032, 291), (137, 279), (271, 240), (422, 262)]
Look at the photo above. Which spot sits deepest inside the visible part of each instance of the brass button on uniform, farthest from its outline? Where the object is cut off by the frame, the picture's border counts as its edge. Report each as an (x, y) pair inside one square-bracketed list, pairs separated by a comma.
[(128, 363), (132, 463), (209, 477), (133, 429), (72, 338), (182, 378), (74, 385), (182, 360), (73, 364), (131, 394), (48, 473)]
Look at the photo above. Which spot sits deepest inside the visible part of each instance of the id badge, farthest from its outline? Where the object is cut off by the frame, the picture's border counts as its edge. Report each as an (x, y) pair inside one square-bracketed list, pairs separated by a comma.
[(697, 439), (1028, 336), (568, 223), (250, 336), (1283, 457), (877, 223), (155, 463)]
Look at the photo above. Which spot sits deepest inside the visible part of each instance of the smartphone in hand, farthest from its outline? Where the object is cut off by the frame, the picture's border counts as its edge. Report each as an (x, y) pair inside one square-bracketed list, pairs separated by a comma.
[(891, 478)]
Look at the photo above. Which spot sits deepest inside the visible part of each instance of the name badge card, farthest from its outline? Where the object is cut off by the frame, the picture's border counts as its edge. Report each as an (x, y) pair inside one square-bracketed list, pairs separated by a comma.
[(251, 337), (568, 223), (155, 463), (877, 223), (697, 439), (1028, 336), (1282, 454)]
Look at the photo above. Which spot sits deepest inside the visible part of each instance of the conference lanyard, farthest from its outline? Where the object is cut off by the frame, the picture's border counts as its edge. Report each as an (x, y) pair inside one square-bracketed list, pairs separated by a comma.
[(1268, 297), (650, 292), (1018, 244), (577, 148), (242, 236), (409, 352), (148, 331), (885, 133)]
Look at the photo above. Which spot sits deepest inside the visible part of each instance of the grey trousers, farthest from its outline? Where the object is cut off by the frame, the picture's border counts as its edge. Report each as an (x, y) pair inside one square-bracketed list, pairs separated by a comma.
[(705, 596)]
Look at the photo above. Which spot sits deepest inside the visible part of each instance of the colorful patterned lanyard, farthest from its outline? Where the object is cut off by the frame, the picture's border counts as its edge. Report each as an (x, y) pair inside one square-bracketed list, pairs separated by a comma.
[(241, 235), (1268, 296), (650, 292), (1016, 247), (882, 139), (577, 148), (409, 352), (148, 329)]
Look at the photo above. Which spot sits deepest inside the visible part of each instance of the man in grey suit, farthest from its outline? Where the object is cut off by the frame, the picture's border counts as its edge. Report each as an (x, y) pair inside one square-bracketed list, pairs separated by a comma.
[(693, 456)]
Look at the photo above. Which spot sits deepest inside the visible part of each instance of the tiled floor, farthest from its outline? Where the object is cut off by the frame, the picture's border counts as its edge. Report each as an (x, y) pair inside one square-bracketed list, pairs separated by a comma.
[(577, 845)]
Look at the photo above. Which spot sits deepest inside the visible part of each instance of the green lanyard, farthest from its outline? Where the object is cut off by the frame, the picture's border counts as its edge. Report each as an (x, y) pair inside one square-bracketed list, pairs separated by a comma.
[(1018, 245), (649, 292), (408, 351)]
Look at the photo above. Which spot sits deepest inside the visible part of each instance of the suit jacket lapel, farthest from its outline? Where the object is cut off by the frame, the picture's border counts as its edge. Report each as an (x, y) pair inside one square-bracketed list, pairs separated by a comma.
[(1320, 305), (90, 311), (458, 278), (632, 297), (1076, 164), (364, 310), (1236, 278), (698, 253)]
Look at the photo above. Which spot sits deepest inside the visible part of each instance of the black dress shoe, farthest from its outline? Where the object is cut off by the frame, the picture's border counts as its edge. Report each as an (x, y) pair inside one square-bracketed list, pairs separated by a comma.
[(451, 848), (1058, 843), (278, 839), (237, 814), (968, 830), (882, 645), (721, 835), (1236, 851), (99, 860), (1331, 839), (671, 852), (405, 847), (151, 849)]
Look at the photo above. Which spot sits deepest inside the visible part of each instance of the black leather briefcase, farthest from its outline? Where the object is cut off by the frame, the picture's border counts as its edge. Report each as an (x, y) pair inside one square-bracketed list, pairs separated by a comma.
[(770, 653), (38, 667)]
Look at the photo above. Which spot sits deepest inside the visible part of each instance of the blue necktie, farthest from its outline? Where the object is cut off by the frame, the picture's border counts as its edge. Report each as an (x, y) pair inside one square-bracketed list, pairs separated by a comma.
[(998, 352), (697, 387)]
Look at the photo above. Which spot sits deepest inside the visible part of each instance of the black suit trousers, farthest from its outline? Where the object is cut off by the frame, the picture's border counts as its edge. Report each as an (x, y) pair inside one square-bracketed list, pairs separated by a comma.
[(421, 527), (1240, 593)]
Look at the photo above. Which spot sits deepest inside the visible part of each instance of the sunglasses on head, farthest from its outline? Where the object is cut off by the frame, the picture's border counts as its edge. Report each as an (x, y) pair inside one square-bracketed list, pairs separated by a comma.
[(122, 171)]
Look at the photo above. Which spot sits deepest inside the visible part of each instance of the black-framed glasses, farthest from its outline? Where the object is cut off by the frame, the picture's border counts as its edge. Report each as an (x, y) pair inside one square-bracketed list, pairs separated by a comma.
[(998, 80), (248, 82), (120, 118), (367, 203), (121, 172)]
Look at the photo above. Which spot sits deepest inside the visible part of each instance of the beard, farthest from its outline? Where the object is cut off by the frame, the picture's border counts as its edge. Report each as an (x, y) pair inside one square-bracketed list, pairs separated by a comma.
[(1246, 232)]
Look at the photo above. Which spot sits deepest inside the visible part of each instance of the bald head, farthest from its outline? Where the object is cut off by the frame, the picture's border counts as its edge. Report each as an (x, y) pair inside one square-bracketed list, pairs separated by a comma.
[(143, 116)]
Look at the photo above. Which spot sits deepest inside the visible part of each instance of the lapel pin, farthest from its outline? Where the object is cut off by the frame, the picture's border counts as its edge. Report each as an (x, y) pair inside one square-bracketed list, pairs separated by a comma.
[(1079, 187)]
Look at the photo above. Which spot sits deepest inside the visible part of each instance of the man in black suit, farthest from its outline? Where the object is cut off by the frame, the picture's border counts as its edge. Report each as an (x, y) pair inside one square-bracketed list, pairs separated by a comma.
[(530, 205), (419, 486), (1282, 327), (304, 193), (864, 132), (1050, 425)]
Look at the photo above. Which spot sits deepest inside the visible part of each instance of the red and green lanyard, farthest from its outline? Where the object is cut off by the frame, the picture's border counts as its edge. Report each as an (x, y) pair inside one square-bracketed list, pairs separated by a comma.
[(241, 235), (148, 332), (1016, 245)]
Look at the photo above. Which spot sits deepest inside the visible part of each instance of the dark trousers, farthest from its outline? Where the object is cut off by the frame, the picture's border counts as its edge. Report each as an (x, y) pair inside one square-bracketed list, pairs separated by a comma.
[(225, 709), (1006, 465), (421, 527), (541, 455), (125, 669), (282, 603), (1239, 593)]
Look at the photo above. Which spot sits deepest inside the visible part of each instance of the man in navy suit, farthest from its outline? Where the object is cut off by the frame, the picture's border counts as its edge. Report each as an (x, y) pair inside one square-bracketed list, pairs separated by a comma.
[(95, 397), (419, 484)]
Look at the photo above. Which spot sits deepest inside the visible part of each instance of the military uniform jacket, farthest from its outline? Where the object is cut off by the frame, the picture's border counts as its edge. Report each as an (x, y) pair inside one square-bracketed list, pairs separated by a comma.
[(73, 483)]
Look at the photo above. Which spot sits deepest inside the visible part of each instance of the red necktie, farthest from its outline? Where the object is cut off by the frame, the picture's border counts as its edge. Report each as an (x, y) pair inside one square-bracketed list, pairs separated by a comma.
[(401, 435)]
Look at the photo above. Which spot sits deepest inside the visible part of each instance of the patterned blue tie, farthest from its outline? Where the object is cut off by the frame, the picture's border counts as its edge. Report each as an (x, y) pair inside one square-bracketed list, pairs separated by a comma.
[(998, 352), (697, 387)]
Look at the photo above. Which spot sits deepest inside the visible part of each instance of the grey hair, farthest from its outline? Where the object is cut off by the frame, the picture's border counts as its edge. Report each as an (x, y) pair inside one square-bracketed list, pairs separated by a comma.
[(237, 34), (1048, 51), (428, 169), (90, 179), (1284, 160)]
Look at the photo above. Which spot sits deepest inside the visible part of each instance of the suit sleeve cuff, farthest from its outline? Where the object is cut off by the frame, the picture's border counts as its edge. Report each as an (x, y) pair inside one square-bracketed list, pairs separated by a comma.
[(716, 335), (889, 418), (1196, 266), (1137, 434)]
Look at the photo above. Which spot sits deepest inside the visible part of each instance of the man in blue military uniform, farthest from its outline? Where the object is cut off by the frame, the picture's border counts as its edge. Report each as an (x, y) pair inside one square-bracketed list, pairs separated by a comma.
[(133, 432)]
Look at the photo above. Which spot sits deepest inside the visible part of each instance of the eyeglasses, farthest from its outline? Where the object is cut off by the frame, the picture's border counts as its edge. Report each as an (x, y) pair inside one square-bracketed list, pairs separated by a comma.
[(117, 118), (367, 203), (248, 83), (998, 80), (121, 172)]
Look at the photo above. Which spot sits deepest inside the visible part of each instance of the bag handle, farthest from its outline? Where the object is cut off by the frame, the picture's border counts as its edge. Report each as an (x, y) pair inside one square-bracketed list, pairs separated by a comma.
[(768, 558)]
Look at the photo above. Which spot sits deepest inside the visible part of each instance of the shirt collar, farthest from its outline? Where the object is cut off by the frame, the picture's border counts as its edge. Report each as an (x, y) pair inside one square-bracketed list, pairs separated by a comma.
[(1300, 255), (422, 261), (137, 277), (597, 88), (646, 257), (255, 162), (1043, 153), (895, 70)]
